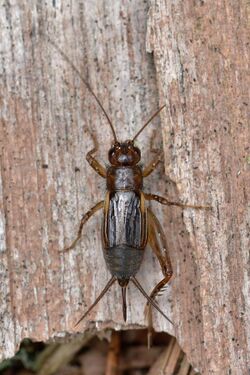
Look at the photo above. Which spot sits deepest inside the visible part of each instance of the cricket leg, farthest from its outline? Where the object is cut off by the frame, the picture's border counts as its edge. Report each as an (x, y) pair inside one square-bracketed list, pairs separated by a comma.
[(166, 202), (156, 160), (93, 162), (154, 229), (151, 166), (84, 219)]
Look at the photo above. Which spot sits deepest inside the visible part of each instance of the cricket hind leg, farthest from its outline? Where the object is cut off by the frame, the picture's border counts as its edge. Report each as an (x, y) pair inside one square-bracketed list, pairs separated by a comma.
[(154, 228), (84, 219)]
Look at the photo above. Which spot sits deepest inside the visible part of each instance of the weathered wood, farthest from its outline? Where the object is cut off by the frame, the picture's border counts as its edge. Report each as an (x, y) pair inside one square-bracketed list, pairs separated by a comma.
[(56, 355), (46, 184), (201, 54), (171, 361), (113, 356)]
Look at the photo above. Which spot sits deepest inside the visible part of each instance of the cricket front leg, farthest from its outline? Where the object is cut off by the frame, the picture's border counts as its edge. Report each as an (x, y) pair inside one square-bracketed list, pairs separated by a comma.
[(93, 162), (156, 160), (84, 219), (152, 166)]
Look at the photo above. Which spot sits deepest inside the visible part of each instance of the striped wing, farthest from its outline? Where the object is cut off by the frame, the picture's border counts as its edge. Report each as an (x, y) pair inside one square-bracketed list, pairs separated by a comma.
[(125, 224)]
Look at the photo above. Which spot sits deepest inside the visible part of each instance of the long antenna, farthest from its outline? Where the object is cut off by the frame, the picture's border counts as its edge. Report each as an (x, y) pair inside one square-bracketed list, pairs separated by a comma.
[(85, 83), (151, 118), (149, 299), (108, 285)]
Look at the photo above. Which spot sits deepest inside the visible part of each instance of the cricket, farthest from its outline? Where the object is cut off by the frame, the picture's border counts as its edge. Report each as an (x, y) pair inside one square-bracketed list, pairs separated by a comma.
[(129, 225)]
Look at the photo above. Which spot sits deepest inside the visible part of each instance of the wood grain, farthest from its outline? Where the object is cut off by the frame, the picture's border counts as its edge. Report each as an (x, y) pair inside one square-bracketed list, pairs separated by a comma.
[(47, 116), (200, 54)]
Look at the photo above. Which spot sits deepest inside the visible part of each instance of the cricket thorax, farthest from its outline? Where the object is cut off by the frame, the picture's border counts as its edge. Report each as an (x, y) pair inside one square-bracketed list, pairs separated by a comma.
[(124, 178)]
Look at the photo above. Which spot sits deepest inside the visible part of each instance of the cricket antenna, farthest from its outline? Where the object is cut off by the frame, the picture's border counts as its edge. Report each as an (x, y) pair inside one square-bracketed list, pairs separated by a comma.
[(104, 291), (151, 118), (85, 83)]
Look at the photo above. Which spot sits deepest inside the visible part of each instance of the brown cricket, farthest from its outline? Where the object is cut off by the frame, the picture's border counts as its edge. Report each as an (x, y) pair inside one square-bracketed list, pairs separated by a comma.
[(128, 224)]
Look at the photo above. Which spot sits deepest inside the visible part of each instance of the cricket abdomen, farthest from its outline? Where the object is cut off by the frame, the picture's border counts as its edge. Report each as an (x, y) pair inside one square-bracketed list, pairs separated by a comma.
[(123, 261)]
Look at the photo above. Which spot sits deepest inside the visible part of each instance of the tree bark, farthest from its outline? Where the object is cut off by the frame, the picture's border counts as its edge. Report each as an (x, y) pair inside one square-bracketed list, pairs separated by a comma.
[(47, 116)]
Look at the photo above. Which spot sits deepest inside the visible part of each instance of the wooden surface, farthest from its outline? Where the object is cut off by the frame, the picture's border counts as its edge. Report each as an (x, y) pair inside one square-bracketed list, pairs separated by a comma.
[(46, 118), (200, 52)]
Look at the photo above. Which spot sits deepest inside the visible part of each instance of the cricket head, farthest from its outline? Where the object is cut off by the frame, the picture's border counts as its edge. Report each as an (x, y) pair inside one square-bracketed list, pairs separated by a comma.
[(124, 154)]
